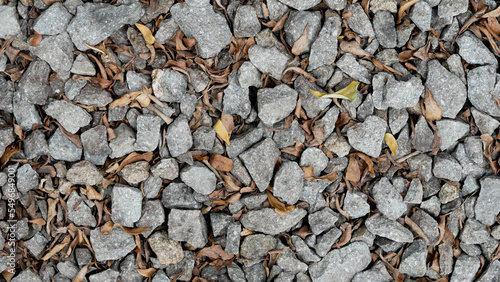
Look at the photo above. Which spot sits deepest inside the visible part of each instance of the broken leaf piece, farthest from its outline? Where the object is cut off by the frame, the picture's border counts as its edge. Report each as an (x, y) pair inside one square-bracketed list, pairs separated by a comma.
[(350, 92), (221, 130), (146, 33), (391, 142)]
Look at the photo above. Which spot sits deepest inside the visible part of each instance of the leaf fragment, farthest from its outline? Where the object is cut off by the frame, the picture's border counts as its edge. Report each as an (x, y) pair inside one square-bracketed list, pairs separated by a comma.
[(221, 163), (301, 43), (349, 92), (403, 7), (146, 33), (391, 142), (221, 130), (35, 40), (432, 110), (280, 208)]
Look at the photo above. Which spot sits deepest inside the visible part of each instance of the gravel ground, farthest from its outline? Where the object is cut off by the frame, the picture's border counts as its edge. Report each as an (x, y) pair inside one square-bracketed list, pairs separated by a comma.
[(194, 140)]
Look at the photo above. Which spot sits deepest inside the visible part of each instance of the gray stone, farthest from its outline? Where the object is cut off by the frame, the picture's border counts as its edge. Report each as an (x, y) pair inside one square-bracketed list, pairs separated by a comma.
[(389, 201), (95, 145), (314, 157), (169, 85), (269, 222), (465, 269), (233, 238), (268, 60), (112, 246), (367, 136), (148, 133), (324, 48), (9, 25), (288, 182), (83, 66), (33, 85), (57, 51), (244, 141), (70, 116), (27, 274), (325, 242), (200, 178), (260, 161), (6, 90), (447, 89), (153, 215), (198, 20), (179, 139), (482, 90), (348, 64), (472, 49), (303, 251), (397, 119), (485, 123), (487, 207), (85, 173), (328, 121), (290, 264), (300, 4), (135, 173), (236, 100), (78, 211), (248, 75), (415, 192), (257, 246), (355, 204), (341, 263), (403, 94), (421, 14), (322, 220), (27, 179), (338, 145), (246, 23), (52, 21), (220, 222), (95, 22), (296, 24), (359, 21), (451, 131), (474, 149), (36, 245), (93, 95), (166, 30), (73, 87), (384, 5), (166, 169), (385, 29), (448, 193), (68, 269), (204, 138), (124, 142), (311, 104), (492, 272), (188, 226), (289, 136), (413, 261), (474, 232), (423, 136), (35, 145), (126, 205), (167, 251), (447, 167), (451, 8), (179, 196), (392, 230)]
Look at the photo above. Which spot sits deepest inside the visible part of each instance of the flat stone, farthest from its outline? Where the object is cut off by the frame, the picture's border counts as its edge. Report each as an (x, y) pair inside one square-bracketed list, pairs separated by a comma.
[(242, 142), (367, 136), (392, 230), (78, 211), (324, 48), (179, 196), (384, 5), (112, 246), (95, 144), (126, 205), (303, 251), (153, 215), (57, 51), (385, 29), (248, 75), (260, 161), (148, 132), (451, 8), (486, 208), (325, 242), (268, 60), (198, 20), (423, 136), (447, 89), (428, 225), (83, 66), (341, 263), (167, 251), (35, 145), (474, 232), (451, 131), (93, 95), (52, 21), (246, 23), (236, 100), (200, 178), (188, 226), (389, 201), (447, 167), (95, 22), (70, 116), (482, 90), (288, 182), (359, 21), (472, 49), (85, 173), (311, 104), (269, 222), (403, 94), (9, 24), (413, 261), (257, 246), (348, 64), (34, 86), (465, 269), (296, 23), (27, 179), (356, 205), (169, 85), (322, 220), (421, 15), (135, 173), (179, 139), (124, 142)]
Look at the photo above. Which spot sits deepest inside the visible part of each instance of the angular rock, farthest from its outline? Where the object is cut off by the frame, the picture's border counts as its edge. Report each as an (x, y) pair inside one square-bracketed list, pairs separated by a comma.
[(135, 173), (392, 230), (359, 21), (367, 136), (296, 23), (260, 161), (198, 20), (153, 215), (257, 246), (268, 60), (124, 142), (112, 246), (126, 205), (423, 137), (244, 141), (403, 94), (311, 104), (83, 66), (179, 139), (169, 85), (246, 23), (188, 226), (348, 64), (474, 232), (84, 172), (421, 15), (79, 212), (487, 207), (288, 182), (451, 131), (389, 201), (385, 29), (324, 48), (167, 251), (33, 85), (413, 261), (35, 145), (95, 145), (384, 5), (356, 205), (236, 100), (200, 178), (9, 24), (57, 51), (269, 222), (482, 90), (322, 220), (415, 192), (52, 21), (289, 136), (166, 169), (447, 167), (179, 196), (36, 245), (451, 8), (473, 50), (148, 133), (70, 116), (465, 269), (27, 179), (93, 95)]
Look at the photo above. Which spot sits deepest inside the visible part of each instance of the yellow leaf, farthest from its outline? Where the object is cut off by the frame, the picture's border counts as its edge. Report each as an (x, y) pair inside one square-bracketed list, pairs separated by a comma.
[(146, 33), (221, 130), (391, 142), (350, 92)]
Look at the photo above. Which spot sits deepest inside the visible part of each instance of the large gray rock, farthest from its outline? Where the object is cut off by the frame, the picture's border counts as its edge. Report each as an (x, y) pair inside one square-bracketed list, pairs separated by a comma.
[(421, 15), (341, 263), (237, 100), (403, 94), (70, 116), (482, 90), (367, 137), (447, 89), (95, 145), (246, 23), (392, 230), (179, 139), (451, 131), (356, 205), (9, 25), (288, 182), (268, 60), (324, 48), (296, 24), (6, 138), (123, 144), (56, 50), (35, 145), (473, 50), (485, 123), (257, 246), (84, 173), (198, 20), (269, 222), (447, 167), (169, 85), (148, 132), (188, 226), (126, 206), (348, 64), (95, 22), (78, 211), (413, 261), (52, 21), (465, 269), (389, 201), (474, 232), (113, 246), (200, 178), (487, 207), (359, 21), (260, 161), (167, 251), (34, 85), (61, 148), (385, 29)]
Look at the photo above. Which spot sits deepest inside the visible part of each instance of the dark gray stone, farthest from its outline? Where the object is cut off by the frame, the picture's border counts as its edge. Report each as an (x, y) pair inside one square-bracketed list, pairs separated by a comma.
[(148, 133), (392, 230), (359, 21), (57, 51), (367, 137), (324, 48), (288, 182), (78, 211), (269, 222), (260, 161), (188, 226), (348, 64), (413, 261), (70, 116), (487, 208), (179, 196), (179, 139), (95, 145), (385, 29), (115, 245)]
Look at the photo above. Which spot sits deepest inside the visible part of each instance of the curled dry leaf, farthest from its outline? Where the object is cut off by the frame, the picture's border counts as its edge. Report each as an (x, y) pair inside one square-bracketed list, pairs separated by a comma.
[(80, 277), (135, 157), (280, 208), (367, 160), (301, 43), (299, 71), (221, 163), (146, 33), (149, 272), (353, 173), (348, 93), (391, 142), (403, 7), (221, 130), (432, 110), (57, 248), (214, 252), (37, 221), (353, 48), (35, 40), (91, 193)]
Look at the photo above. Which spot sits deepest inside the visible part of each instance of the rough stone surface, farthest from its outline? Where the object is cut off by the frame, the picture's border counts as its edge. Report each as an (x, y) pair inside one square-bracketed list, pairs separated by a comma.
[(115, 245), (486, 208), (367, 137), (188, 226), (260, 161), (324, 48), (268, 60), (200, 178), (167, 251), (70, 116), (179, 138), (392, 230), (269, 222), (288, 182), (126, 205)]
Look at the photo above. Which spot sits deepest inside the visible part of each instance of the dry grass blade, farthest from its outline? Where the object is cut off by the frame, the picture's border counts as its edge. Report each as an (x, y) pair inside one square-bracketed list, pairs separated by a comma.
[(416, 229), (403, 7)]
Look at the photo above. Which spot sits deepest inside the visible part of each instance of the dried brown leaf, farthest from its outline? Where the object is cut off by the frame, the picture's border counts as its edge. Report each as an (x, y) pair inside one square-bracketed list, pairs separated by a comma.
[(214, 252), (299, 71), (353, 173), (35, 40), (80, 277), (280, 208), (135, 157), (432, 110), (149, 272), (403, 7), (221, 163), (57, 248), (353, 48), (301, 44)]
